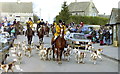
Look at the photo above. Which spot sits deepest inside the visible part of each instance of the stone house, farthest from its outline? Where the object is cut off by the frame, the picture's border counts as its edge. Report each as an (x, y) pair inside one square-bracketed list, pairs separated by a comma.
[(114, 21), (83, 8)]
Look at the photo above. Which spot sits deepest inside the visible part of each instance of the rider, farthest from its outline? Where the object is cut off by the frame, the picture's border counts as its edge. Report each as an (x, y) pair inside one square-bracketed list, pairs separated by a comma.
[(58, 30), (38, 24), (42, 22), (30, 22), (54, 23)]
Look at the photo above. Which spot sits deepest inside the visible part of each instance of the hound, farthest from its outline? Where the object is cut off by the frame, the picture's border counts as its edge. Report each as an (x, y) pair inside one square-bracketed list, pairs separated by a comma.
[(43, 54), (39, 47), (7, 67), (94, 57), (19, 57), (49, 53), (27, 49), (96, 54), (5, 58), (67, 53), (79, 56)]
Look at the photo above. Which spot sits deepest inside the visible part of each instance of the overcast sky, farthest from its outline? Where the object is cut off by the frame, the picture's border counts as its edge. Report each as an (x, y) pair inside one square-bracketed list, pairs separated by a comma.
[(48, 9)]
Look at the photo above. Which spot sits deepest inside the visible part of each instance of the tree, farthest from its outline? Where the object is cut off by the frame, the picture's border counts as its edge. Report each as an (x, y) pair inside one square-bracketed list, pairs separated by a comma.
[(64, 14), (35, 17)]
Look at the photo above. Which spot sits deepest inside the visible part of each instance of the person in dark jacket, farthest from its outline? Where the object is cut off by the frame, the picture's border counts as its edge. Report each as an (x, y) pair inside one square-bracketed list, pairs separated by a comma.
[(107, 37), (94, 34)]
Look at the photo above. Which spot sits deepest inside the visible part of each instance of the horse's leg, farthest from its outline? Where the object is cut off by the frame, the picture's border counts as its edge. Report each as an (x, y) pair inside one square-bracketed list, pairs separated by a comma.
[(61, 54), (61, 50), (57, 54), (42, 40), (53, 52), (28, 40)]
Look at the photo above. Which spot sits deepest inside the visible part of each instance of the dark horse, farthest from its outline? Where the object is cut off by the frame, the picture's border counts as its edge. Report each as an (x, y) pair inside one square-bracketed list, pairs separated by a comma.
[(53, 29), (59, 43), (40, 34), (46, 30), (29, 33)]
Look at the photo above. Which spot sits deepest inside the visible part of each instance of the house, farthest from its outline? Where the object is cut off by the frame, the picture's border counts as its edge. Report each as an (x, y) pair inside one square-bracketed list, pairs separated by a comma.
[(114, 21), (104, 16), (20, 11), (83, 8)]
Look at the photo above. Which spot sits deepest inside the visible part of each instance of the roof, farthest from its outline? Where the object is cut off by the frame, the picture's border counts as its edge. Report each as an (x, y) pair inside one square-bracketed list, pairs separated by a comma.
[(14, 7), (78, 6), (114, 17)]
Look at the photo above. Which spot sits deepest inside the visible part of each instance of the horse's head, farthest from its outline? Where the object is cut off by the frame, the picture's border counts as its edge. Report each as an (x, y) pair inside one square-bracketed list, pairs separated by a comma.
[(62, 32)]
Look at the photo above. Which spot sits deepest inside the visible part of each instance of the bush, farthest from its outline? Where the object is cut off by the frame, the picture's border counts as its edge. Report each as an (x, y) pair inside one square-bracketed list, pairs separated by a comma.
[(89, 20)]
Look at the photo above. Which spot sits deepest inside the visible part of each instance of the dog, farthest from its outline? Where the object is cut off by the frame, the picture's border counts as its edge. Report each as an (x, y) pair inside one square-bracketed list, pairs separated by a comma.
[(19, 57), (39, 47), (49, 53), (67, 53), (95, 54), (27, 49), (94, 57), (88, 46), (43, 54), (7, 67), (79, 56), (5, 58)]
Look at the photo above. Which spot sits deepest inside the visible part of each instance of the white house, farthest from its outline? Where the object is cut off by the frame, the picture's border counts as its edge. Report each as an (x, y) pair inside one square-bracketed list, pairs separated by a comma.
[(14, 10)]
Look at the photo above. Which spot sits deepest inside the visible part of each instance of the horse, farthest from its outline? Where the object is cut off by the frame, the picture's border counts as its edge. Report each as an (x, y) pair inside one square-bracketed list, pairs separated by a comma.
[(40, 34), (29, 33), (59, 43), (53, 29), (46, 30)]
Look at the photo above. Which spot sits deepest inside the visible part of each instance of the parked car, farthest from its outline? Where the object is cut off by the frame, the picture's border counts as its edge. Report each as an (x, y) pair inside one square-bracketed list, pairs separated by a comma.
[(77, 40), (6, 42)]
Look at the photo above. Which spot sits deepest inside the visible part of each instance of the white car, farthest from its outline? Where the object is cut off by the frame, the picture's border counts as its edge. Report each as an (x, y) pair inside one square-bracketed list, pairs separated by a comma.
[(77, 40)]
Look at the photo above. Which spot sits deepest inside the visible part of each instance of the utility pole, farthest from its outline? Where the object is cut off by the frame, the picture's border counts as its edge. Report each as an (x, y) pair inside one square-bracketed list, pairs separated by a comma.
[(40, 12), (75, 0)]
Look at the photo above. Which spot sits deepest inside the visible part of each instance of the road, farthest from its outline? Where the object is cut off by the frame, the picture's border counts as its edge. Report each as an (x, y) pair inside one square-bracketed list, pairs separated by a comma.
[(34, 64)]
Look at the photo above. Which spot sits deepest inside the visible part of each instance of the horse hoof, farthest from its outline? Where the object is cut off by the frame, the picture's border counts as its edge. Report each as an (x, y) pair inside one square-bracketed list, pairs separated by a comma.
[(53, 59), (60, 62)]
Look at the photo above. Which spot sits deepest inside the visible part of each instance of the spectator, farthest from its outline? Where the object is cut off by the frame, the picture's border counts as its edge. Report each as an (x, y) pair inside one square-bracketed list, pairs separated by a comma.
[(101, 38), (110, 30), (14, 22), (13, 32), (94, 38), (107, 37), (8, 24)]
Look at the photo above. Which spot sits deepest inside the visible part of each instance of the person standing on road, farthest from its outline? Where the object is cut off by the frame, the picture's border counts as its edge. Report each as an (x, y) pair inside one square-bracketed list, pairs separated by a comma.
[(101, 37), (107, 37), (94, 38), (111, 34)]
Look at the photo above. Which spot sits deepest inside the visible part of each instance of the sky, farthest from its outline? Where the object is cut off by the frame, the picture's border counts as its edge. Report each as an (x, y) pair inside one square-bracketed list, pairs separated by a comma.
[(48, 9)]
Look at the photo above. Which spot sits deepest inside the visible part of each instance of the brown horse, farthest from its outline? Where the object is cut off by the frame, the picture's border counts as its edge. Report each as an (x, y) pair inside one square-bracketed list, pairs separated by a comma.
[(46, 30), (53, 29), (29, 33), (59, 43), (40, 34)]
